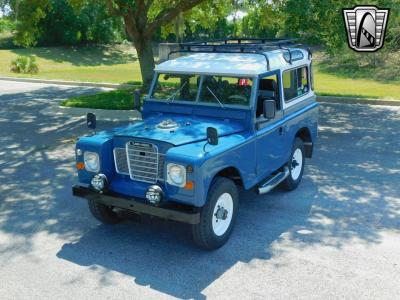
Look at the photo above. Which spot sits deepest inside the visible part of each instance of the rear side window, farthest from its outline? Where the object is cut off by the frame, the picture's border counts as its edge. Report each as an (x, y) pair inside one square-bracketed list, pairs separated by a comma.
[(295, 83)]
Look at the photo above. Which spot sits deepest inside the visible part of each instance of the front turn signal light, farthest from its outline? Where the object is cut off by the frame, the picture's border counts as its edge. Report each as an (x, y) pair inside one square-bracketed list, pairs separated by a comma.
[(80, 165), (189, 185)]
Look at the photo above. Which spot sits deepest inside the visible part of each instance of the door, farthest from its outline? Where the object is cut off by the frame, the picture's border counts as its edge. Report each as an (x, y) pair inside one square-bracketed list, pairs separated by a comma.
[(270, 142)]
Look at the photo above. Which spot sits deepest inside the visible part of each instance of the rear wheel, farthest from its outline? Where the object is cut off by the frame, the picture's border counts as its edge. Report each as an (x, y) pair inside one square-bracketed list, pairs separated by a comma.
[(296, 165), (103, 213), (218, 215)]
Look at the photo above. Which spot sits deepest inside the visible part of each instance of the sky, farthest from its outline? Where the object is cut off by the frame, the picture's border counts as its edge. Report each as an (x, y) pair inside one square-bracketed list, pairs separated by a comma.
[(239, 15), (4, 11)]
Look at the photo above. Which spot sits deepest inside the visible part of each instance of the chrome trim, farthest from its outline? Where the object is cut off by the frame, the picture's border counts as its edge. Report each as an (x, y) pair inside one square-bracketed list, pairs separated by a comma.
[(117, 166), (170, 181), (136, 165), (98, 161), (274, 181)]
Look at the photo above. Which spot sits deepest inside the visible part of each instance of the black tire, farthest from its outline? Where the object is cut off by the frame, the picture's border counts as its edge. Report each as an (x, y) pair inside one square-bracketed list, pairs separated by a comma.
[(103, 213), (291, 183), (203, 233)]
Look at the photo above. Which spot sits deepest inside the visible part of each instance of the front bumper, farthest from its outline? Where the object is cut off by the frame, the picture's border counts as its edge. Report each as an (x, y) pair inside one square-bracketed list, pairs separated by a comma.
[(135, 205)]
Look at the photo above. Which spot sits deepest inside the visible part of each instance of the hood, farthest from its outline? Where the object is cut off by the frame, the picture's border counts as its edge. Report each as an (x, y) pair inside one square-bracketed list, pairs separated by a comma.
[(179, 130)]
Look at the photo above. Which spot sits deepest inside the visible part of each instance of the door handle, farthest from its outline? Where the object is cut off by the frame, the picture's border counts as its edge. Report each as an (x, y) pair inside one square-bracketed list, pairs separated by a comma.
[(280, 130)]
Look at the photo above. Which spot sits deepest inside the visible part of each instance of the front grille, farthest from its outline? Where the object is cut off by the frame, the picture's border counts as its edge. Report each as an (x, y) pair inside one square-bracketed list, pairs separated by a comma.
[(142, 161), (121, 163)]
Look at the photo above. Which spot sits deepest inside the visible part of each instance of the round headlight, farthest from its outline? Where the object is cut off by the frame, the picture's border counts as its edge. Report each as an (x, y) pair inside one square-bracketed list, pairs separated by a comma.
[(92, 163), (176, 174)]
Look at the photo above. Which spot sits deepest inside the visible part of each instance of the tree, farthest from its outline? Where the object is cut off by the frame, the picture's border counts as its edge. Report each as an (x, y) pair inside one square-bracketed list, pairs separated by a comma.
[(142, 21), (142, 18)]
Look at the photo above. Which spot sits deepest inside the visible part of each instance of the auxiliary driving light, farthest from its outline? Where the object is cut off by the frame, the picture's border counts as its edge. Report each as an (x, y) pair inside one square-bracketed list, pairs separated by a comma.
[(154, 194), (99, 182)]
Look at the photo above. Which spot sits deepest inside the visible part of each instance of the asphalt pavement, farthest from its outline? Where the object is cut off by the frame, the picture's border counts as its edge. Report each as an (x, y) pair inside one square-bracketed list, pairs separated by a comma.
[(336, 236)]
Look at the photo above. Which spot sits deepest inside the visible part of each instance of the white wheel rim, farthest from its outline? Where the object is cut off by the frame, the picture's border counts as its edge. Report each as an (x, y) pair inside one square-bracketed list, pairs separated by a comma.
[(222, 214), (297, 164)]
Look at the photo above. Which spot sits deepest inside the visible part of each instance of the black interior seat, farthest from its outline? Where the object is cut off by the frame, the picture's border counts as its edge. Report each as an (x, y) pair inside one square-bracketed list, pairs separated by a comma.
[(267, 89)]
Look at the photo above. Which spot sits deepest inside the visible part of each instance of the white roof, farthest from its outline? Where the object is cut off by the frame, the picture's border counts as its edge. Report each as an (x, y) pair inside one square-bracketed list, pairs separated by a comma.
[(227, 63)]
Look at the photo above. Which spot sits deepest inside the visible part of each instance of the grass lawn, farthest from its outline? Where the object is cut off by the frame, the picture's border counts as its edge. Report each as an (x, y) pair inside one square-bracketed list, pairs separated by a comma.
[(118, 64), (117, 99), (112, 64), (331, 85)]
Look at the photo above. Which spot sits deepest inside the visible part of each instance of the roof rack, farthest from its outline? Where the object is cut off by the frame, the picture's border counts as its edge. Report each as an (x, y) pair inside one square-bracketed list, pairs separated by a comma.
[(242, 45)]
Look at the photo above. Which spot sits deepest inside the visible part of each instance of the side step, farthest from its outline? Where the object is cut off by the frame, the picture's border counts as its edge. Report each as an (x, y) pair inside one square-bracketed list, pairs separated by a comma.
[(274, 181)]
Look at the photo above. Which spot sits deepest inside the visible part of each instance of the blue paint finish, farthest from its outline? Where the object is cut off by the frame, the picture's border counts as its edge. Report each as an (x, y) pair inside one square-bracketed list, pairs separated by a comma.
[(228, 153), (191, 129), (102, 145), (254, 154)]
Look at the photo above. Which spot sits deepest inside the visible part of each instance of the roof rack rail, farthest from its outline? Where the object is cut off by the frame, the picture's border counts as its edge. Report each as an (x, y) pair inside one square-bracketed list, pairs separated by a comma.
[(241, 45)]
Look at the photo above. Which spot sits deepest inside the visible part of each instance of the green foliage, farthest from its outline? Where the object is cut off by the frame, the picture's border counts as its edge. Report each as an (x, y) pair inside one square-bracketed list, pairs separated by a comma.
[(30, 13), (321, 22), (393, 34), (57, 22), (381, 66), (118, 99), (25, 65), (262, 21), (7, 28), (70, 22), (6, 25), (205, 21)]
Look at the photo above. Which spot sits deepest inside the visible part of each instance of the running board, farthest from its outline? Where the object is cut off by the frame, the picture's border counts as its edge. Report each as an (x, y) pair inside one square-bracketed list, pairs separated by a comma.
[(274, 181)]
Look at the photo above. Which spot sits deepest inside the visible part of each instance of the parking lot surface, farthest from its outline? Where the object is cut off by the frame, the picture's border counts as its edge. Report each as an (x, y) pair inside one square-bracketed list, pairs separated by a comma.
[(336, 236)]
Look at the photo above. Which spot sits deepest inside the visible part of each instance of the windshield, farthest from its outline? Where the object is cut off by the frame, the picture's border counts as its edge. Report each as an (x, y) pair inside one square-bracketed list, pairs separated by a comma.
[(216, 90)]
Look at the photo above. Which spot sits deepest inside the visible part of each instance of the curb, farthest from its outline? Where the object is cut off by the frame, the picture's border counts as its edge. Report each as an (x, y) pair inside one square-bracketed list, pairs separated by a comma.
[(351, 100), (66, 82), (101, 114)]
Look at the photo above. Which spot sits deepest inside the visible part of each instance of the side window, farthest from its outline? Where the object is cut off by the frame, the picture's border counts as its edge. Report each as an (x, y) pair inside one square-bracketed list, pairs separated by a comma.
[(295, 83), (267, 90)]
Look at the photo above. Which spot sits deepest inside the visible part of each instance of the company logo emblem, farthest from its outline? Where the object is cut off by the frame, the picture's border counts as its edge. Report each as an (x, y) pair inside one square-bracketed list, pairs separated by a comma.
[(366, 26)]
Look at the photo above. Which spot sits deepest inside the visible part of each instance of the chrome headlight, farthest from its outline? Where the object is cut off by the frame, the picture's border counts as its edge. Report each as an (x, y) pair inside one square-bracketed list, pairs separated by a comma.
[(99, 182), (92, 161), (176, 175)]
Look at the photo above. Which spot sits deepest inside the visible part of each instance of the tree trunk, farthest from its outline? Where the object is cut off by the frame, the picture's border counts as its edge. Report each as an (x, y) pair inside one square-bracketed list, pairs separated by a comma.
[(143, 45), (145, 54)]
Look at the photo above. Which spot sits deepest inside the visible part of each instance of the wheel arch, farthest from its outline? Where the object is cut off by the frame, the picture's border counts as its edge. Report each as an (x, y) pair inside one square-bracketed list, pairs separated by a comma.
[(231, 173), (305, 134), (227, 171)]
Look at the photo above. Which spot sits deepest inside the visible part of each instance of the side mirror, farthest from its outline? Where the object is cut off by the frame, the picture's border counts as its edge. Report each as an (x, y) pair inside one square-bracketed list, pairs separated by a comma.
[(136, 99), (212, 136), (91, 121), (269, 109)]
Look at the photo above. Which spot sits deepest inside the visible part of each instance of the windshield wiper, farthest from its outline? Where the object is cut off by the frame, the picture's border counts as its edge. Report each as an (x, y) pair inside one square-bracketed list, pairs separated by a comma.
[(172, 97), (216, 98)]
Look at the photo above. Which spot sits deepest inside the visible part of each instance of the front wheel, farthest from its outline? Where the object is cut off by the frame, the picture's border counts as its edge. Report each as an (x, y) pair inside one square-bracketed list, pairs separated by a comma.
[(218, 215), (296, 166), (103, 213)]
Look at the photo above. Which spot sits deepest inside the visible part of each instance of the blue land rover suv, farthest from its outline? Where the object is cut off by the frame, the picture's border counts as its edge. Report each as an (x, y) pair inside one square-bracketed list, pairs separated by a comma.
[(223, 114)]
